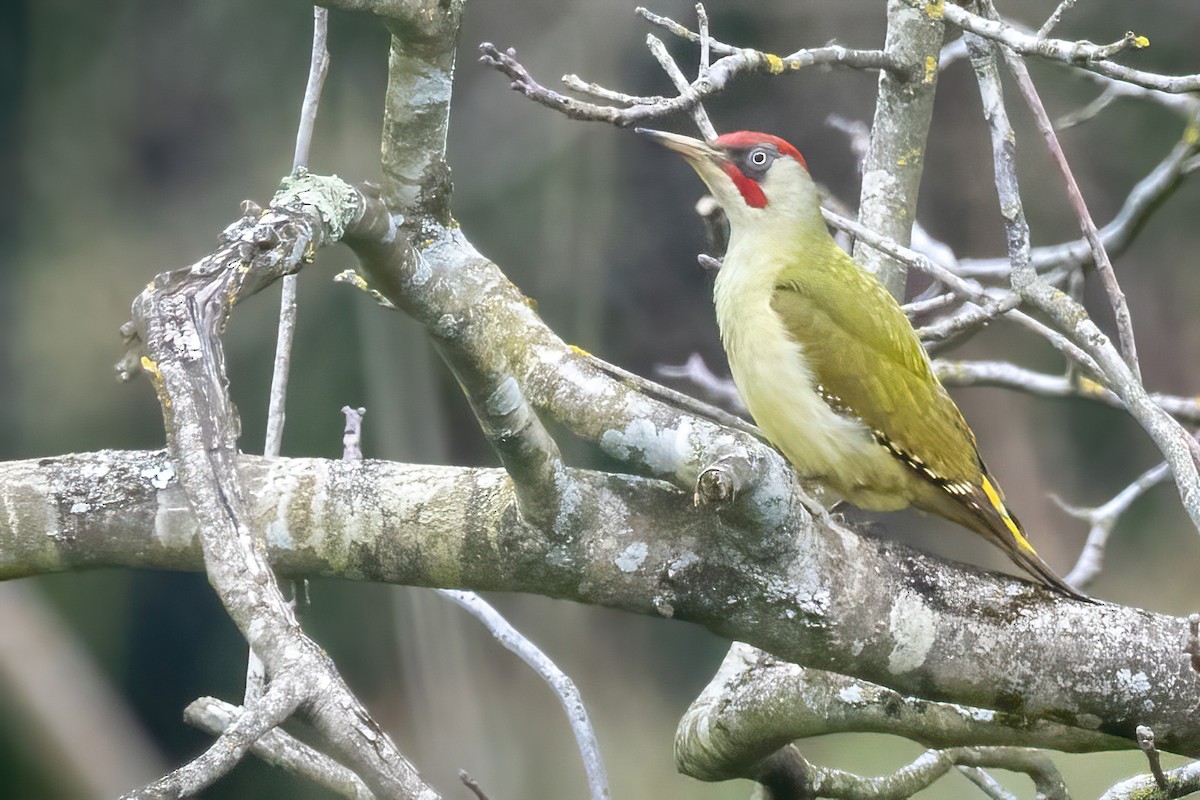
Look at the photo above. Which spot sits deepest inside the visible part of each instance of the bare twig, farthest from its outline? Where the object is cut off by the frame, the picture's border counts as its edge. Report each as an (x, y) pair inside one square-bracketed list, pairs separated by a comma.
[(1119, 233), (699, 115), (1084, 55), (280, 749), (697, 372), (472, 785), (1103, 519), (1145, 740), (1052, 21), (352, 433), (318, 68), (1172, 440), (563, 686), (987, 306), (1090, 234), (276, 410), (1011, 376), (633, 110), (986, 783), (277, 703)]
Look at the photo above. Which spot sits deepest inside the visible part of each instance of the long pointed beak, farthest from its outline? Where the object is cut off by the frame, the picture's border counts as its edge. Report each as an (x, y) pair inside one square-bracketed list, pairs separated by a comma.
[(694, 150)]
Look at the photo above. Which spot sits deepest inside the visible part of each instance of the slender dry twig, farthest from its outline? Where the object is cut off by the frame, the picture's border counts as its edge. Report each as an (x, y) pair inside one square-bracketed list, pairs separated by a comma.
[(277, 703), (352, 433), (988, 306), (1052, 21), (280, 749), (276, 410), (1145, 740), (694, 370), (1147, 195), (1010, 376), (699, 115), (1084, 55), (318, 68), (1103, 519), (1091, 235), (634, 110), (564, 688), (986, 783), (1179, 448)]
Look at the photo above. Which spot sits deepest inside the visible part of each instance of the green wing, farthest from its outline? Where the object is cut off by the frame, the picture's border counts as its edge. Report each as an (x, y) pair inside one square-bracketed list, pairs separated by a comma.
[(870, 364)]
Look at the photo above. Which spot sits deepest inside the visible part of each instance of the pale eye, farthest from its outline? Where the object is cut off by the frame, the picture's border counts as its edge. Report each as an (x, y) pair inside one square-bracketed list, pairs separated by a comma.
[(758, 158)]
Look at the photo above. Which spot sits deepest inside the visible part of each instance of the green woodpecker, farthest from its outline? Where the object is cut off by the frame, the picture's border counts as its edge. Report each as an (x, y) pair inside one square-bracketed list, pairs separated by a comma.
[(826, 360)]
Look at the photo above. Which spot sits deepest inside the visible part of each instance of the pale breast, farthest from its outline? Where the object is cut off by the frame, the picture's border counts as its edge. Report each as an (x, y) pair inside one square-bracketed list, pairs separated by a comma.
[(778, 387)]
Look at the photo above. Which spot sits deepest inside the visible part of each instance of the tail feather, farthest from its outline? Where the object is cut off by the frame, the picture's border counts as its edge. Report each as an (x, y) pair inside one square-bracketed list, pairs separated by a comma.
[(999, 525)]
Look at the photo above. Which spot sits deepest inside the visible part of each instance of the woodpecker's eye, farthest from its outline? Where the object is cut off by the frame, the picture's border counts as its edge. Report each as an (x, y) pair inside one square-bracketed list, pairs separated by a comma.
[(755, 161)]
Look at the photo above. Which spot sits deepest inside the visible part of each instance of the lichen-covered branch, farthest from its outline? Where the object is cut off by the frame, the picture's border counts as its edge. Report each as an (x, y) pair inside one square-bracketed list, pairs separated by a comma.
[(823, 597), (756, 704), (175, 337), (896, 155)]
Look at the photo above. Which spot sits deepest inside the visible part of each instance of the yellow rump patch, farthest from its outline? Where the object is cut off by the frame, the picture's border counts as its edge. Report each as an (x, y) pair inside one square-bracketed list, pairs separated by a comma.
[(993, 496)]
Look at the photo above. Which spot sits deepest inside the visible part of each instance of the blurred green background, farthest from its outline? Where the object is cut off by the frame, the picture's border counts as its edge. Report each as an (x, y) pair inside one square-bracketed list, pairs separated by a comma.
[(130, 131)]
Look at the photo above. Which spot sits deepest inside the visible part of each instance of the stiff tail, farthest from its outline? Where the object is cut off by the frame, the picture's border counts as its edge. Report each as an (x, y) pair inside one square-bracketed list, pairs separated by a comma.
[(1004, 529)]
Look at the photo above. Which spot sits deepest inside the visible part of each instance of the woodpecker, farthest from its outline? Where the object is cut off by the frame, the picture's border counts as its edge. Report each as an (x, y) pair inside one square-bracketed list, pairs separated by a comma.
[(825, 358)]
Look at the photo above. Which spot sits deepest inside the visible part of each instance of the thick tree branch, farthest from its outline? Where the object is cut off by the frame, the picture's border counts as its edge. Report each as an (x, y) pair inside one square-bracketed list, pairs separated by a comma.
[(824, 597), (896, 156), (176, 328), (756, 704)]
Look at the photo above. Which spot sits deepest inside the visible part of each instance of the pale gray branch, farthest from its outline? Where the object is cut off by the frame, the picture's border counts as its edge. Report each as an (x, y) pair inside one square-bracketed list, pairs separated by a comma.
[(562, 685), (280, 749), (1084, 55), (1102, 520), (895, 159), (280, 699), (1011, 376), (756, 704), (1093, 665), (1091, 235), (1172, 440)]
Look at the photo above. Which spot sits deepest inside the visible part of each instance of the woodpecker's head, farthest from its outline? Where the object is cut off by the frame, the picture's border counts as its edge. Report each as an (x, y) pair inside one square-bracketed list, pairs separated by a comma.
[(759, 179)]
